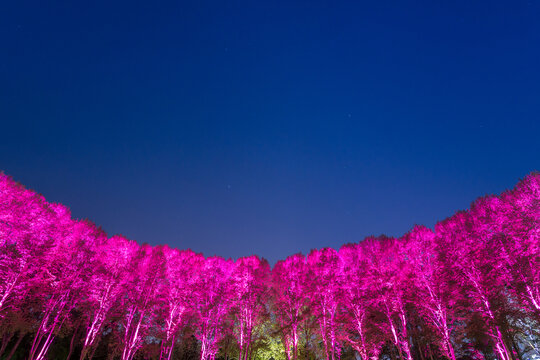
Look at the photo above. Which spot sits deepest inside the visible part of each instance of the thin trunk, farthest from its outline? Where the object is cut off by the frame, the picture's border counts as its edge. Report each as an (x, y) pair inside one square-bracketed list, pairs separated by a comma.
[(394, 351), (94, 348), (500, 345), (249, 332), (430, 352), (511, 353), (72, 343), (419, 349), (396, 343), (84, 351), (5, 341), (45, 347), (21, 336), (450, 349)]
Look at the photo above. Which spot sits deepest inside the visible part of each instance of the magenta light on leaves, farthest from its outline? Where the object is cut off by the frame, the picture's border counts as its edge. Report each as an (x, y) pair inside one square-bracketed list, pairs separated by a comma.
[(470, 288)]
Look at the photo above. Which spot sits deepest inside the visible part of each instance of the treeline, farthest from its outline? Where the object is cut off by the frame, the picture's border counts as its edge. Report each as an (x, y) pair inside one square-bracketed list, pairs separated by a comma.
[(470, 289)]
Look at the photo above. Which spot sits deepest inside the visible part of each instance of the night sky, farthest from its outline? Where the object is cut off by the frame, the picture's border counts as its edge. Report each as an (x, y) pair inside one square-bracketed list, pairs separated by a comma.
[(268, 127)]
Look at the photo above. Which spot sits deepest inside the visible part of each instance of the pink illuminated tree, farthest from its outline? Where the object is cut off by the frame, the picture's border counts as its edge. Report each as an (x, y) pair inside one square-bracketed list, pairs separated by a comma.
[(27, 225), (212, 304), (388, 278), (471, 286), (432, 292), (139, 299), (114, 257), (251, 279), (176, 297), (359, 301), (290, 284), (326, 293), (62, 284), (518, 240), (464, 238)]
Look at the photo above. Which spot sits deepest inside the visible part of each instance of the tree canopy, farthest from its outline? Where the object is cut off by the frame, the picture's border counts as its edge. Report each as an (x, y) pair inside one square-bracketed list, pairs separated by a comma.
[(467, 289)]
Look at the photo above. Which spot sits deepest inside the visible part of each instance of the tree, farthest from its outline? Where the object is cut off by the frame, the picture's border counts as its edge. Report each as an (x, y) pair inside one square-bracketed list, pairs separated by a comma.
[(176, 295), (139, 299), (518, 239), (463, 238), (212, 304), (433, 295), (388, 278), (62, 284), (114, 257), (359, 302), (290, 286), (250, 277), (325, 289), (472, 286), (27, 225)]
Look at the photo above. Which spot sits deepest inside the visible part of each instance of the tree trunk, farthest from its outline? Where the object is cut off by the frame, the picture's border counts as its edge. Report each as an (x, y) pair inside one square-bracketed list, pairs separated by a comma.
[(5, 341), (72, 343), (94, 348), (21, 336), (399, 352), (430, 352), (393, 352), (419, 349)]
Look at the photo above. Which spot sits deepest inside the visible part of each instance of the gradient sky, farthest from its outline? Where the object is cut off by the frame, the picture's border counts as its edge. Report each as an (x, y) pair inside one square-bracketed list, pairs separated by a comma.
[(268, 127)]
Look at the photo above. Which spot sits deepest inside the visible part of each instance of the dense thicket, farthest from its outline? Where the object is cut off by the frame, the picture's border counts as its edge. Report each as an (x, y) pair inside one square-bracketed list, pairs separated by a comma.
[(470, 289)]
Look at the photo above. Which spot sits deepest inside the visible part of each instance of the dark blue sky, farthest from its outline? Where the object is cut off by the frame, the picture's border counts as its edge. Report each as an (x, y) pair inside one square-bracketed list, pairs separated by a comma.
[(268, 127)]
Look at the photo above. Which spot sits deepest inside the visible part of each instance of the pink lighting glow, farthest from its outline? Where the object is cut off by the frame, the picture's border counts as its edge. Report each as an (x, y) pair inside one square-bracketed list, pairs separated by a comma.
[(470, 288)]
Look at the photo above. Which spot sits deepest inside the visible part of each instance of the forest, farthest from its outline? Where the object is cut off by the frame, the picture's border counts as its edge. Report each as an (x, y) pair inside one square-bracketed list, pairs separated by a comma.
[(467, 289)]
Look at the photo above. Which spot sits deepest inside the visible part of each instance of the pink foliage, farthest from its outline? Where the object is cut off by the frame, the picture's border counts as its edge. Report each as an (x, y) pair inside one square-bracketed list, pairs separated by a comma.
[(326, 291), (212, 304), (290, 283), (468, 288), (250, 278)]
